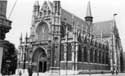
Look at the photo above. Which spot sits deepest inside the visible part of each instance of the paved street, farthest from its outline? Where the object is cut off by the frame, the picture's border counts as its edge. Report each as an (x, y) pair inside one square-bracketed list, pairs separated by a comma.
[(25, 73), (52, 74), (46, 74), (121, 74)]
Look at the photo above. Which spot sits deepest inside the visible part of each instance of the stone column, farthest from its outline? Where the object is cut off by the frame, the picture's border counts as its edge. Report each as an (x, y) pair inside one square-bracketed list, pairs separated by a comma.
[(83, 54), (73, 49), (101, 57), (65, 51), (49, 55), (1, 57), (73, 55), (88, 51), (94, 56), (76, 54)]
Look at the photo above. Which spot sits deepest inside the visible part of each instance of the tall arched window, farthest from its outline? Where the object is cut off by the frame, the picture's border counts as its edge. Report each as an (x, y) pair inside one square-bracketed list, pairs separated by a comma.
[(69, 52), (100, 56), (79, 53), (95, 56), (91, 55), (107, 58), (85, 54), (103, 58), (62, 52)]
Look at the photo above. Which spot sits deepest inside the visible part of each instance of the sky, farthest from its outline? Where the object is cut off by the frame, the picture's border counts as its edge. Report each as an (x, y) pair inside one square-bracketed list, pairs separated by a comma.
[(102, 10)]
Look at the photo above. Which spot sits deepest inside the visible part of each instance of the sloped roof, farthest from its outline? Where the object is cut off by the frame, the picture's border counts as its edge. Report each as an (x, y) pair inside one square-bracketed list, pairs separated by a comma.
[(69, 18), (104, 27)]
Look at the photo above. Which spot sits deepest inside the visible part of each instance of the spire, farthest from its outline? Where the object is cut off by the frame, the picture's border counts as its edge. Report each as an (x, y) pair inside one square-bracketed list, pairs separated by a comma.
[(36, 3), (89, 18), (26, 37), (89, 13), (101, 37), (36, 6), (21, 38)]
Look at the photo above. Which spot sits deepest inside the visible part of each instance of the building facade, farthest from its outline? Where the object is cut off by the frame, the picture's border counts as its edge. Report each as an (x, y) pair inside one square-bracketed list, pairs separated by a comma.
[(62, 41), (8, 55)]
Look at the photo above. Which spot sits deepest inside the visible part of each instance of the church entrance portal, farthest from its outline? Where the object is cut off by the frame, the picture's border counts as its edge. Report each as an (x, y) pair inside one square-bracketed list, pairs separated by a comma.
[(42, 66), (40, 60)]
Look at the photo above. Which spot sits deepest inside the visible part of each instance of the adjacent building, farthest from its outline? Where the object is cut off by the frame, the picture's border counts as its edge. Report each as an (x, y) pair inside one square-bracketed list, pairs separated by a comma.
[(8, 55)]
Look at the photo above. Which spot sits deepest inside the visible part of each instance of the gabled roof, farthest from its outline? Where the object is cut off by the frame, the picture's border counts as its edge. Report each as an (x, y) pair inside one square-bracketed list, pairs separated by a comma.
[(36, 3), (105, 27), (48, 3)]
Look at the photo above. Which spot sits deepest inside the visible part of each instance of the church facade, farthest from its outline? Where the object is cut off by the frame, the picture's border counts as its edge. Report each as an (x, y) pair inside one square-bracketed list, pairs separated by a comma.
[(62, 41)]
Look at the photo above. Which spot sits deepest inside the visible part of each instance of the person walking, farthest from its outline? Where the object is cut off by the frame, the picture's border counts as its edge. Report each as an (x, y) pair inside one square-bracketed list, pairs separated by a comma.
[(30, 71)]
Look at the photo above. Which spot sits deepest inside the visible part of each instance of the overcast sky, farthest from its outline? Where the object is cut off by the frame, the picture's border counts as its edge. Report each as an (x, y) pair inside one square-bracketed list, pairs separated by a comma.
[(101, 10)]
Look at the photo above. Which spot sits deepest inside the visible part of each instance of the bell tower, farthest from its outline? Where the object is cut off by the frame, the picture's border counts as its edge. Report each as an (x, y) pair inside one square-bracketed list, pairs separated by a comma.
[(89, 17), (36, 10), (56, 24)]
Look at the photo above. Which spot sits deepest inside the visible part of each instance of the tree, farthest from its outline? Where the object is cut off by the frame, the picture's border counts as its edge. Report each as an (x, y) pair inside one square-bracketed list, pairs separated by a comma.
[(9, 61)]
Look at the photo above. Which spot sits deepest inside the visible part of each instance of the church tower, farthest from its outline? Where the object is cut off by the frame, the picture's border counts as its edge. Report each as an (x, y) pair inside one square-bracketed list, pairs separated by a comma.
[(89, 18), (56, 24), (36, 9)]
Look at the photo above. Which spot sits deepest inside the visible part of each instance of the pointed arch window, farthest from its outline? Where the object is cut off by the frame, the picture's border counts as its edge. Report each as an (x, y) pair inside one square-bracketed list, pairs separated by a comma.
[(91, 55), (49, 12), (107, 58), (85, 54), (62, 52), (69, 52), (79, 53), (96, 56), (99, 56), (45, 13), (103, 57)]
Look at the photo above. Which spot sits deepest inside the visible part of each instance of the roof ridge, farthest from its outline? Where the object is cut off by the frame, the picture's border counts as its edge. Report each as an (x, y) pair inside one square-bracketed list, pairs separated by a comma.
[(103, 21), (73, 14), (70, 13)]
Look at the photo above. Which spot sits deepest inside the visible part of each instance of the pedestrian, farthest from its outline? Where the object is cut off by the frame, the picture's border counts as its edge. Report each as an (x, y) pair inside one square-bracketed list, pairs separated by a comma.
[(112, 72), (30, 71), (20, 73), (116, 71)]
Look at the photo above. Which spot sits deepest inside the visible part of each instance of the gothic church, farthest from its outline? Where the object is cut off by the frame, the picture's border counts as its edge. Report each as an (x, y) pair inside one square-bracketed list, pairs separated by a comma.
[(61, 41)]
